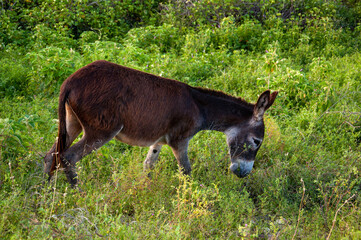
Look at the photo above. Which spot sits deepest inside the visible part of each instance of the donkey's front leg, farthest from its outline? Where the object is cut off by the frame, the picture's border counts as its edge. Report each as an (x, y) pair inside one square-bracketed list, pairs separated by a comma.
[(180, 151), (152, 157)]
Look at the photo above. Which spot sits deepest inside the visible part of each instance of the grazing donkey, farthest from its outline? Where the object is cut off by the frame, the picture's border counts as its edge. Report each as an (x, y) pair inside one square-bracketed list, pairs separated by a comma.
[(106, 100)]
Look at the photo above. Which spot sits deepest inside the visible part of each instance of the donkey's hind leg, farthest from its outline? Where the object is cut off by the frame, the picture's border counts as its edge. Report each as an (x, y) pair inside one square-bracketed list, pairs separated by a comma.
[(152, 156), (73, 129), (87, 144)]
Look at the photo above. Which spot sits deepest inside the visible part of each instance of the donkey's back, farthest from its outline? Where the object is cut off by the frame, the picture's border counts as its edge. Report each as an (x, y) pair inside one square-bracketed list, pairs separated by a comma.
[(110, 97)]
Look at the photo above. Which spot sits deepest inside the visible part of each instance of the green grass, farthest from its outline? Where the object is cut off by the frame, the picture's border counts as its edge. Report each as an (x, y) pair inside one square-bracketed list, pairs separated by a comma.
[(306, 180)]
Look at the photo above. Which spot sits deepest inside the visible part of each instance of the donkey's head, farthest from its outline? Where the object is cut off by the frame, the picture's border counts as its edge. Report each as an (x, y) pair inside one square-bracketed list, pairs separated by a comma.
[(245, 138)]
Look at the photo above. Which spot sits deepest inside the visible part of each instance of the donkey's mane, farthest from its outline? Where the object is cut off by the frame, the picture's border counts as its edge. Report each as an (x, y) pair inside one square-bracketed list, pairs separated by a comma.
[(220, 94)]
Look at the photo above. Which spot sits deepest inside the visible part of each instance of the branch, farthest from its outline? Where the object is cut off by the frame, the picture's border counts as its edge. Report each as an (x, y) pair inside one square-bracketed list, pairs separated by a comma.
[(299, 211), (334, 219), (343, 112)]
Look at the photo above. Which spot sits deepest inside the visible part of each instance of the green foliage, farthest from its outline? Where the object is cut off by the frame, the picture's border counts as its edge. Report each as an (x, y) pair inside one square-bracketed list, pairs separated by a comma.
[(164, 37), (109, 19), (13, 74), (50, 66), (306, 179)]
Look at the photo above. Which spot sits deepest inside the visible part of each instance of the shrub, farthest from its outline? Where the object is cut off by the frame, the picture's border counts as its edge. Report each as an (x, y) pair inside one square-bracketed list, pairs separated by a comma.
[(101, 50), (50, 66), (165, 37), (13, 75)]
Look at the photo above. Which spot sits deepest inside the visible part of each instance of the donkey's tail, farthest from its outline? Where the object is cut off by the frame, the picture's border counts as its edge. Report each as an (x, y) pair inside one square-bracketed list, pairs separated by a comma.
[(61, 139)]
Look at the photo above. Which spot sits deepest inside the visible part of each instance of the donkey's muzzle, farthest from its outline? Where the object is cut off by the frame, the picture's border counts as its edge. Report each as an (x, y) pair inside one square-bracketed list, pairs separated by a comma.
[(241, 168)]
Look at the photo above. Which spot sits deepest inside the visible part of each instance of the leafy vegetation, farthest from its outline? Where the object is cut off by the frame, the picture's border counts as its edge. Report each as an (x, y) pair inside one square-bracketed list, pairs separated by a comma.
[(306, 181)]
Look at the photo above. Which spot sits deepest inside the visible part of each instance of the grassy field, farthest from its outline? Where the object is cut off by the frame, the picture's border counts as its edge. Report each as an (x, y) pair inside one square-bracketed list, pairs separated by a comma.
[(306, 180)]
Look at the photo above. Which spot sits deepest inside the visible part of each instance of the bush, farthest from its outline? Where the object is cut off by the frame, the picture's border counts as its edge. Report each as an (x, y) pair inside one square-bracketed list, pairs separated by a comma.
[(50, 66), (165, 37), (13, 75), (111, 20)]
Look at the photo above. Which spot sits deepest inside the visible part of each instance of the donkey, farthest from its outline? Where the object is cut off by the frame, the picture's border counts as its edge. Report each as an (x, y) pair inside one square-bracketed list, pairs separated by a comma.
[(106, 100)]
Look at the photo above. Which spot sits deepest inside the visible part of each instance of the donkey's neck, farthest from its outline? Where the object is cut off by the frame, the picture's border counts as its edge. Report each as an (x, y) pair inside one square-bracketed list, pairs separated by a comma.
[(219, 110)]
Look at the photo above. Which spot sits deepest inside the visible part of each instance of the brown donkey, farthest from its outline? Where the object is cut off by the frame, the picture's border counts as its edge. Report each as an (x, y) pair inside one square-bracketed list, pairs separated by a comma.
[(106, 100)]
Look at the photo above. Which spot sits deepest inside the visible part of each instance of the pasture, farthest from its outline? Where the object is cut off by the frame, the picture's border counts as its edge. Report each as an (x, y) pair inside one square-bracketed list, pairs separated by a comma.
[(305, 182)]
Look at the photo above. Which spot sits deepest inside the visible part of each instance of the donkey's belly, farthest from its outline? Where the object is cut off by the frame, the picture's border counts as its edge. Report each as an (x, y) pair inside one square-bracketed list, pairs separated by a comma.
[(139, 141)]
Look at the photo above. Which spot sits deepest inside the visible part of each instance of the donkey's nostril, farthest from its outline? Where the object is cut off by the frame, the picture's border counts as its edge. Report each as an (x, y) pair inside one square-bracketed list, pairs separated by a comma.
[(234, 168), (241, 168), (237, 170)]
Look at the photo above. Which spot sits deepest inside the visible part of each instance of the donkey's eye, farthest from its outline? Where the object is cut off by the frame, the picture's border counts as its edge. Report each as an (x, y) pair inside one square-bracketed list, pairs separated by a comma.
[(257, 142)]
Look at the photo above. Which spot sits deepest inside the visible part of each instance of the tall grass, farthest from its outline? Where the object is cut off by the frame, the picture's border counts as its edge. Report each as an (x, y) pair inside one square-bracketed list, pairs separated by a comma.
[(306, 179)]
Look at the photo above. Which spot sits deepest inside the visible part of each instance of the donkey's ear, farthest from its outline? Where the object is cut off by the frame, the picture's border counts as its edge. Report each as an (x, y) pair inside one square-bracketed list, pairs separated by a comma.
[(272, 98), (263, 103)]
